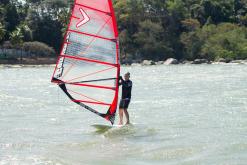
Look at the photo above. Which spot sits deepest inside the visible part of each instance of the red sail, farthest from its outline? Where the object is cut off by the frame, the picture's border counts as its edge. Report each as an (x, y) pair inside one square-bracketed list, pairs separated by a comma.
[(88, 66)]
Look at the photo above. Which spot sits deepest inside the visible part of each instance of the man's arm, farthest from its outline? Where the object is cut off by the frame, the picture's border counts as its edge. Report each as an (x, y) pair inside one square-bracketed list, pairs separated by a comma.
[(130, 89), (120, 81)]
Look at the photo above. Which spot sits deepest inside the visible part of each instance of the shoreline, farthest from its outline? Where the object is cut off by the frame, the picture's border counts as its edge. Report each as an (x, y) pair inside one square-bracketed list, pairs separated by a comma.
[(41, 62), (29, 61), (133, 65)]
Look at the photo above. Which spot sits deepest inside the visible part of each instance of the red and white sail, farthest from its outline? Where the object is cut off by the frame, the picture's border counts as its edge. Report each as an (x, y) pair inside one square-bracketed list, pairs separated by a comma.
[(88, 66)]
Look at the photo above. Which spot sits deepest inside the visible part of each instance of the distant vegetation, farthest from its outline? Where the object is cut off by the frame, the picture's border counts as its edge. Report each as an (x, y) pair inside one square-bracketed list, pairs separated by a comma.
[(149, 29)]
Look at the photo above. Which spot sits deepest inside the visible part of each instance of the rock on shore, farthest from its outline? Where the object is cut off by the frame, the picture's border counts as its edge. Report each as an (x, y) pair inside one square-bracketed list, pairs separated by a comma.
[(222, 60), (200, 61), (136, 64), (171, 61), (159, 63), (148, 62), (239, 62)]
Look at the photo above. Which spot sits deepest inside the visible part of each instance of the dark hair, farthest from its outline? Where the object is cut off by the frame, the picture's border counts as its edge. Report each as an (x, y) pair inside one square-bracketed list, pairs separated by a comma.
[(128, 73)]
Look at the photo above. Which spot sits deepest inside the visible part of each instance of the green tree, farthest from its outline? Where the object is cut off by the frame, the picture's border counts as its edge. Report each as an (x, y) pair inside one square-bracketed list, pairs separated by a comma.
[(229, 41), (26, 31), (11, 17), (16, 37), (129, 13), (191, 24), (5, 2), (150, 41), (243, 20), (225, 40), (63, 18), (2, 32), (192, 44), (2, 13), (240, 8)]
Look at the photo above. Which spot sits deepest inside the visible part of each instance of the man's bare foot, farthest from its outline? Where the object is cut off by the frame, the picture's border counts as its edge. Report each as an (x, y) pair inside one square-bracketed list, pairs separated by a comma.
[(120, 123), (127, 123)]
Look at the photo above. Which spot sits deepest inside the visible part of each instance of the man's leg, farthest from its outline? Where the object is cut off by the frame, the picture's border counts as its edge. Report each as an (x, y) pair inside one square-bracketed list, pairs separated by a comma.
[(127, 116), (121, 116)]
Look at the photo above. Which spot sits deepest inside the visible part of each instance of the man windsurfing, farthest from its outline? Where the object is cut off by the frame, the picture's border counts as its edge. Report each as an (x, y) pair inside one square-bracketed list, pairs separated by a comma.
[(126, 97)]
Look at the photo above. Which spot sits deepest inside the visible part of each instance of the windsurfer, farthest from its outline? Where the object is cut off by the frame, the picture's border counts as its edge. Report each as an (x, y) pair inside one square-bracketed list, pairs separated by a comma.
[(126, 97)]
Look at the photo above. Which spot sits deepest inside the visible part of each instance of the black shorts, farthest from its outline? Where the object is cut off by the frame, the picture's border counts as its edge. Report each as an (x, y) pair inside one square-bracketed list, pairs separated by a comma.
[(124, 104)]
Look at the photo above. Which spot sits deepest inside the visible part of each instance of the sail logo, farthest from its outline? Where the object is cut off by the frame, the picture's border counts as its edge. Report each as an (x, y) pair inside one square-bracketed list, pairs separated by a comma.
[(85, 18), (60, 67)]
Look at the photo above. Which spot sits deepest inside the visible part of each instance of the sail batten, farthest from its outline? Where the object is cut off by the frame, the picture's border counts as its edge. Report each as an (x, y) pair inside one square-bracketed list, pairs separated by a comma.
[(92, 35), (88, 67), (90, 60)]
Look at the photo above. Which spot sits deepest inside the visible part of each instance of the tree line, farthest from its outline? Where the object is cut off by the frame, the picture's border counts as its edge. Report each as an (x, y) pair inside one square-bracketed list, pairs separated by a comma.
[(148, 29)]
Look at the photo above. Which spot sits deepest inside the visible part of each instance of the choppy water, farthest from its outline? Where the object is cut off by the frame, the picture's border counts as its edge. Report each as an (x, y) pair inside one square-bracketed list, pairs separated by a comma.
[(182, 115)]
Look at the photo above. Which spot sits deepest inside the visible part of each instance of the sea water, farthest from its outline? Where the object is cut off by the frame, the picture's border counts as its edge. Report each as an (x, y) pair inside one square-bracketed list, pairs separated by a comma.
[(181, 115)]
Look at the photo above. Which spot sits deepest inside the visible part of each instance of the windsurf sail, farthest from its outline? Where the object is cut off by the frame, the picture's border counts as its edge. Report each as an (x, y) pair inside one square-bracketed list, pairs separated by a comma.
[(88, 66)]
